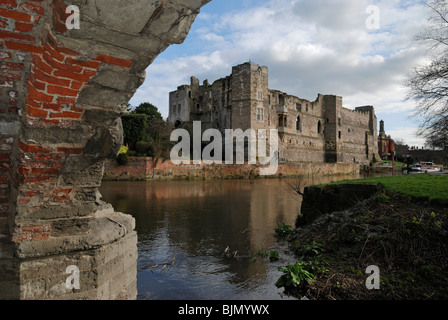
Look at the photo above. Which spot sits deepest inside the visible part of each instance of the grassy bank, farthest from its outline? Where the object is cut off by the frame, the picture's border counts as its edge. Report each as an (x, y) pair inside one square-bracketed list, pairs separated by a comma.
[(433, 188), (405, 237)]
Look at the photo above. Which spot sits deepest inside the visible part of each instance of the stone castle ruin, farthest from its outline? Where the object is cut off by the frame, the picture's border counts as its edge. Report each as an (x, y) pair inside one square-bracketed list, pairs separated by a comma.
[(309, 131)]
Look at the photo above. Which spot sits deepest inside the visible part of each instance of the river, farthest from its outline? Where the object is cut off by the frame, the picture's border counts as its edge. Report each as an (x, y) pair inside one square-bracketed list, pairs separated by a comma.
[(185, 227)]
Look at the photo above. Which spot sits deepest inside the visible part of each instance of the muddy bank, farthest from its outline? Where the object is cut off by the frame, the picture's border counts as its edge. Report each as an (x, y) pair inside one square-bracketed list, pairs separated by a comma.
[(405, 238)]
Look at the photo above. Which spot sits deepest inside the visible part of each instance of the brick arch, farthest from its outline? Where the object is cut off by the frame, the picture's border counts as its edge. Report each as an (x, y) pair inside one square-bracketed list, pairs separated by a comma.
[(61, 96)]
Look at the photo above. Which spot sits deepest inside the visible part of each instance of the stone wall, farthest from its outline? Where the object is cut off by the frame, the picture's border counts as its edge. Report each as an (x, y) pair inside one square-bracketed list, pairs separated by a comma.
[(62, 92), (145, 168), (318, 131)]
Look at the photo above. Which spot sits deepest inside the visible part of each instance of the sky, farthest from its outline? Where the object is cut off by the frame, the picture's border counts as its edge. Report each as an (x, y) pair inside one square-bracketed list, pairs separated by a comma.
[(362, 50)]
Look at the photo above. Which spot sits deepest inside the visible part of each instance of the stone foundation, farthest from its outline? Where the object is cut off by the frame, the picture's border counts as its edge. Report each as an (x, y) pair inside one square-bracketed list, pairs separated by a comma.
[(145, 168)]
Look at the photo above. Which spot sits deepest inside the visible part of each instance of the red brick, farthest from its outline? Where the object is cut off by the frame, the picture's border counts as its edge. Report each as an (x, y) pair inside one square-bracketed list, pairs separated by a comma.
[(88, 64), (37, 179), (36, 84), (52, 106), (61, 66), (50, 79), (9, 3), (43, 228), (9, 76), (22, 46), (62, 91), (32, 8), (23, 170), (53, 52), (38, 96), (24, 27), (62, 198), (15, 15), (42, 65), (64, 191), (16, 36), (11, 66), (76, 85), (37, 113), (112, 60), (71, 75), (24, 201), (32, 149), (48, 157), (66, 114), (66, 100)]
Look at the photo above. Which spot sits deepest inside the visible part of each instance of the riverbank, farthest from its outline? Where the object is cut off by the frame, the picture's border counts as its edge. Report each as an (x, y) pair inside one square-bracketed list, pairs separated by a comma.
[(148, 169), (402, 229)]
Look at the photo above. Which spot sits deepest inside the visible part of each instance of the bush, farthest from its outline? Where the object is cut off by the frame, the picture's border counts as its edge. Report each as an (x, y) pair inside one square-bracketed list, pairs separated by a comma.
[(142, 147), (123, 159)]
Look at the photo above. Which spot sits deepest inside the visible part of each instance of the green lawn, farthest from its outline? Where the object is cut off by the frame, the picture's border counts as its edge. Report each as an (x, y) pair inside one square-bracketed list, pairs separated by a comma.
[(421, 186)]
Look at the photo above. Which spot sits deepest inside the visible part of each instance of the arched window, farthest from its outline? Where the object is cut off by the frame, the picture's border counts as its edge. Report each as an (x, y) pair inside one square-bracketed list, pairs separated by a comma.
[(298, 124), (319, 127)]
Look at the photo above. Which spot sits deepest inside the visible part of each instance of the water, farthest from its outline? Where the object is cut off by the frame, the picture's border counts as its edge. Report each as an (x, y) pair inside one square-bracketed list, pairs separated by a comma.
[(184, 228)]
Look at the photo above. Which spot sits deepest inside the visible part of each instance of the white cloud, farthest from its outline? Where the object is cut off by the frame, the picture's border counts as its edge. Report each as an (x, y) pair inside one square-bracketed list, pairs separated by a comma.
[(310, 47)]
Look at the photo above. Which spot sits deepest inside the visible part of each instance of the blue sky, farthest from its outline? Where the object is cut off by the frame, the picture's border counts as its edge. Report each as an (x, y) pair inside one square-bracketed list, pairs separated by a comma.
[(309, 46)]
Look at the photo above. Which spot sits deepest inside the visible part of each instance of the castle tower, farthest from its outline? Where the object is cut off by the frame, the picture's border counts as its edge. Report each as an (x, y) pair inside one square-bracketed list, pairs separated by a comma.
[(249, 95)]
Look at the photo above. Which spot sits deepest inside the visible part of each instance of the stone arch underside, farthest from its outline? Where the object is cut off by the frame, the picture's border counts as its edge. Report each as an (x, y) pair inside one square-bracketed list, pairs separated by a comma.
[(62, 93)]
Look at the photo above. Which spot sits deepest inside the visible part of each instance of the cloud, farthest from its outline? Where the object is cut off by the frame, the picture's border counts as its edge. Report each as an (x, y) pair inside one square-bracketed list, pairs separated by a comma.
[(310, 47)]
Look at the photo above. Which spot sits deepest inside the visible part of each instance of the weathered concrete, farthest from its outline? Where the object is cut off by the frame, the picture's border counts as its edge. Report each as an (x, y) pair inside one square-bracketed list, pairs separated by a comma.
[(62, 92)]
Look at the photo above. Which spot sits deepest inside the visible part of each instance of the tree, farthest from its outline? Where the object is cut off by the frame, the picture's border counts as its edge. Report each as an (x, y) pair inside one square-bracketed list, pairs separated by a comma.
[(428, 83), (159, 133), (150, 111), (134, 128)]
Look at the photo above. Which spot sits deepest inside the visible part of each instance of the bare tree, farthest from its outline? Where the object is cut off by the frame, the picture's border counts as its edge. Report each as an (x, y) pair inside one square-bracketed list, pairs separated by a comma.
[(428, 83)]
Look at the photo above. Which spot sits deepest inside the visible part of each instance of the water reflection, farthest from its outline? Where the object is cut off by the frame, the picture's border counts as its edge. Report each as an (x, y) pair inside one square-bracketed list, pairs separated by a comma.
[(185, 227)]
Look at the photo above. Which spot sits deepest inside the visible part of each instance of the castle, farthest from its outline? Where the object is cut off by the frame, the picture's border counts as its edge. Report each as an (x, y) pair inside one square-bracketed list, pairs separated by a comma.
[(309, 131)]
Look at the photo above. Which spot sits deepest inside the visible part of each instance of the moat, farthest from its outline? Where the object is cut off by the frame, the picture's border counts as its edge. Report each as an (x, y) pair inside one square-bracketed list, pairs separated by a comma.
[(185, 227)]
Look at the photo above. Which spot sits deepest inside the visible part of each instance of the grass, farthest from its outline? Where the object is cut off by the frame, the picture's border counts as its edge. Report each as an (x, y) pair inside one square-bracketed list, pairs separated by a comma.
[(420, 186)]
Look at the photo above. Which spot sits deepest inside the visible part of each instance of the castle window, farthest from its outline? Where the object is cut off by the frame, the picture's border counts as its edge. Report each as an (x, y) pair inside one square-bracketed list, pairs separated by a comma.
[(307, 107), (299, 107), (340, 134), (260, 96), (298, 124), (319, 127), (260, 114)]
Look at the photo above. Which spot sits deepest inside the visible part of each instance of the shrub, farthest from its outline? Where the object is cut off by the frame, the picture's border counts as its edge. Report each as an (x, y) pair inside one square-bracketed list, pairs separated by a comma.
[(123, 159), (294, 276), (142, 147)]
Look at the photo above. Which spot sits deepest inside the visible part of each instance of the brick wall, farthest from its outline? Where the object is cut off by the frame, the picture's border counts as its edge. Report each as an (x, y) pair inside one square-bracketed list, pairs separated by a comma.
[(61, 96)]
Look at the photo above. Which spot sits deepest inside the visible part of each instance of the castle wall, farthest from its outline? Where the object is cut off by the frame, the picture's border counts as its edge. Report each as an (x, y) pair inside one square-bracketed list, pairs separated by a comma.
[(315, 131)]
